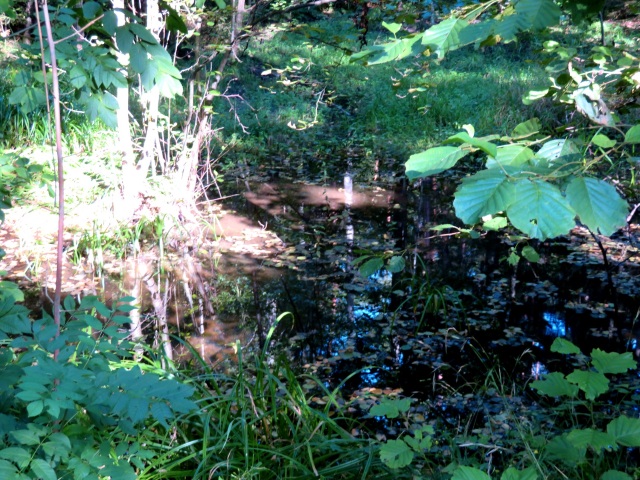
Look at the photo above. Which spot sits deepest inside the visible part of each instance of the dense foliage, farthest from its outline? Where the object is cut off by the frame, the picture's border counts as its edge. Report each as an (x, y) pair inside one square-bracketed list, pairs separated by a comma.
[(84, 396)]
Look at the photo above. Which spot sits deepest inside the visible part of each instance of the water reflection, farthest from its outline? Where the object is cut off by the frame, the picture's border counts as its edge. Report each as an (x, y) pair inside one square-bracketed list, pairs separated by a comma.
[(555, 324)]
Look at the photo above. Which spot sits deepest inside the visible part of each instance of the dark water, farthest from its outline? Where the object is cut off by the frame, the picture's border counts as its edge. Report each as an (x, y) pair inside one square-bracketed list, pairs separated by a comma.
[(495, 313)]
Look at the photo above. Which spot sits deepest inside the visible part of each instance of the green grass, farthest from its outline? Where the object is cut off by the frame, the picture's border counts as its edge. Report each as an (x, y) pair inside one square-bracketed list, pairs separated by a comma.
[(259, 423), (390, 110)]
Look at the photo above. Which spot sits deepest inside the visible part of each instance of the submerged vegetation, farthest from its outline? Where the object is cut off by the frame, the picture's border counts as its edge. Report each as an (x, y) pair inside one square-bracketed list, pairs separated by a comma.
[(325, 240)]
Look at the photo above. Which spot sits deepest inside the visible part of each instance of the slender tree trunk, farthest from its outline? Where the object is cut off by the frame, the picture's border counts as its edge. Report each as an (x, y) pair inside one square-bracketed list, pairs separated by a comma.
[(55, 91), (236, 25), (151, 147), (129, 186)]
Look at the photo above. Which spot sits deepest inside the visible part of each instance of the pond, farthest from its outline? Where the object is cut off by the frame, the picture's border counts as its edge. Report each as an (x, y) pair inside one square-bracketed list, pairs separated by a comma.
[(449, 310)]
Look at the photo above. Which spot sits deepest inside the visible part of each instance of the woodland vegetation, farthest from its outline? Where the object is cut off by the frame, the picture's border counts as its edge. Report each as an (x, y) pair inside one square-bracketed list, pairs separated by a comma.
[(404, 235)]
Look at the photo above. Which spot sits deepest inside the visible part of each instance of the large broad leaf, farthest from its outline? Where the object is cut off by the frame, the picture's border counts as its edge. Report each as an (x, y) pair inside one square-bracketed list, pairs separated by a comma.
[(432, 161), (469, 473), (526, 129), (539, 13), (555, 385), (396, 454), (485, 193), (556, 149), (597, 204), (463, 137), (612, 362), (633, 135), (476, 32), (43, 470), (370, 267), (615, 475), (392, 51), (510, 26), (514, 155), (564, 346), (539, 210), (444, 36), (589, 437), (626, 431), (562, 449), (593, 384)]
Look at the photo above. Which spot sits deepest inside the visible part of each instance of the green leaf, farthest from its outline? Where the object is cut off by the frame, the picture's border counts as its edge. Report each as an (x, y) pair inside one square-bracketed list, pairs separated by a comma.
[(565, 347), (633, 135), (527, 474), (392, 27), (495, 223), (28, 98), (390, 408), (463, 137), (142, 33), (91, 9), (615, 475), (612, 362), (392, 51), (530, 254), (598, 204), (444, 36), (78, 77), (8, 470), (138, 58), (589, 437), (625, 430), (110, 22), (174, 21), (476, 32), (26, 437), (562, 449), (469, 473), (396, 454), (540, 210), (555, 385), (603, 141), (539, 13), (593, 384), (395, 264), (370, 267), (43, 470), (510, 25), (526, 129), (124, 39), (17, 455), (432, 161), (485, 193), (35, 408), (513, 155), (555, 149)]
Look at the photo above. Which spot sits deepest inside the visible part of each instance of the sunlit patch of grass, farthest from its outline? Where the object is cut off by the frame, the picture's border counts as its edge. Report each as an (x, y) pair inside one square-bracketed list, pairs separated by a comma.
[(390, 110)]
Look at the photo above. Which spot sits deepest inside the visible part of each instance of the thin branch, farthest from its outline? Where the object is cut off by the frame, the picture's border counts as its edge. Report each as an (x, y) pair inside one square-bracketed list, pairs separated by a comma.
[(77, 32), (57, 119)]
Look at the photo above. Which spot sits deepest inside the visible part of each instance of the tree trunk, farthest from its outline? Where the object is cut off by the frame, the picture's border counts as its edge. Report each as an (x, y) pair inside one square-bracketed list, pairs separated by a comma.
[(236, 25), (151, 147), (129, 186)]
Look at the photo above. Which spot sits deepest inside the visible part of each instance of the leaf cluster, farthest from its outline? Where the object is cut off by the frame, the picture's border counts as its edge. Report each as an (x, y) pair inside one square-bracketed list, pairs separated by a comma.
[(72, 404), (543, 193)]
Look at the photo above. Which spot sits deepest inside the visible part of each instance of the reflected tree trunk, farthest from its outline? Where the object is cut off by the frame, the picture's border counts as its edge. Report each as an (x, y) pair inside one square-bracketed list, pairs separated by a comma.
[(159, 303)]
